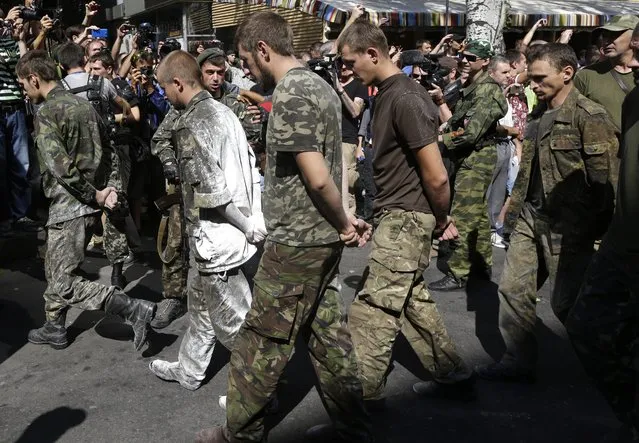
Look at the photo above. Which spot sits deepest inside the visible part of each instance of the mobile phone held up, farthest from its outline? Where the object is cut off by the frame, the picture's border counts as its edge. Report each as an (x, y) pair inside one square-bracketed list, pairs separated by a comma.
[(100, 33)]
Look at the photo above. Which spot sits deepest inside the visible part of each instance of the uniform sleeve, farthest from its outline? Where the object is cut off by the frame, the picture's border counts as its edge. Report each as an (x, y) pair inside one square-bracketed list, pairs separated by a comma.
[(416, 120), (53, 151), (600, 145), (581, 82), (162, 142), (202, 171), (490, 105), (296, 125)]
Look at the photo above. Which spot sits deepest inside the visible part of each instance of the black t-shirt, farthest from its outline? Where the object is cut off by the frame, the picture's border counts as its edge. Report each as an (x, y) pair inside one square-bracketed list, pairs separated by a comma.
[(405, 120), (350, 126)]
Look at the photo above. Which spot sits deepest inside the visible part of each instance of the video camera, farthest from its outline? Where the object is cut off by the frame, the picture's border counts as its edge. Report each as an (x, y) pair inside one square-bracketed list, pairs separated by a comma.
[(39, 9), (433, 74), (324, 66), (169, 45), (146, 35)]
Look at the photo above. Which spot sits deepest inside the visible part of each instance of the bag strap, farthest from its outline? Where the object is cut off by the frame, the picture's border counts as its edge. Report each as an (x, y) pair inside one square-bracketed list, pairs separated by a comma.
[(620, 82)]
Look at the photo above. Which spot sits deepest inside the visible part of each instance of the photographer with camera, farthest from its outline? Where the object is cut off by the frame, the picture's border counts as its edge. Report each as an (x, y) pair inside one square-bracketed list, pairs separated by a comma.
[(15, 188), (469, 143)]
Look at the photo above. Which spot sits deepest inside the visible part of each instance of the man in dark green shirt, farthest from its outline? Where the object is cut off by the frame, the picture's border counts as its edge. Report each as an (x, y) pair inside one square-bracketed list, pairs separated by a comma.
[(603, 323)]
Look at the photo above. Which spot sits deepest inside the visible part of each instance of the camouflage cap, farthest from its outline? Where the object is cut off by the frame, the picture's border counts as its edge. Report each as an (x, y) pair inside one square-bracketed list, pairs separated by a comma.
[(209, 53), (621, 23), (480, 48)]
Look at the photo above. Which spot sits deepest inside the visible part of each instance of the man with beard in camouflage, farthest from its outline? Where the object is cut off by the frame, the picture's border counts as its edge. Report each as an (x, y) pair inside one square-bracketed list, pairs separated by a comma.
[(76, 159)]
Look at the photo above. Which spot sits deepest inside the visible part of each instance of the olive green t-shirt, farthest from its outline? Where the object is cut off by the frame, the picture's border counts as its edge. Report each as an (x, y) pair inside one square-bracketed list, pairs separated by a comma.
[(598, 84)]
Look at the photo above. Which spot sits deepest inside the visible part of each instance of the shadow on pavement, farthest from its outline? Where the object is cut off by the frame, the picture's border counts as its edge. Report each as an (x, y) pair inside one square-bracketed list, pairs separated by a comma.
[(157, 342), (49, 427), (15, 323)]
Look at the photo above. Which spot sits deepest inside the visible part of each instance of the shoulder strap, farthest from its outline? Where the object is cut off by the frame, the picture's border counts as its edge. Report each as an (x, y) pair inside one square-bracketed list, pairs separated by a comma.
[(619, 80)]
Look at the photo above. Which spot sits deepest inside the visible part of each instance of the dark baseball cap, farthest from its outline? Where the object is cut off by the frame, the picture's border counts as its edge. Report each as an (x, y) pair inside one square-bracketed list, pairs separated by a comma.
[(208, 54)]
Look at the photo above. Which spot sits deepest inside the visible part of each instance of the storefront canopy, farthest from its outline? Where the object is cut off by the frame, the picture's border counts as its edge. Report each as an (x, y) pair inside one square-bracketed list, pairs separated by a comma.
[(418, 13)]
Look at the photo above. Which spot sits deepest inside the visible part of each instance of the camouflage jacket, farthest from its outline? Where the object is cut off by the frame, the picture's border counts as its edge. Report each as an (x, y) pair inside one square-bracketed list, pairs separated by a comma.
[(217, 167), (576, 161), (161, 145), (76, 157), (474, 123)]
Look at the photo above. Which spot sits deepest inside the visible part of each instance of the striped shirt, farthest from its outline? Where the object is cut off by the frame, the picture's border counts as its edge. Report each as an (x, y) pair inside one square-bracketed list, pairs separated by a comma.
[(10, 90)]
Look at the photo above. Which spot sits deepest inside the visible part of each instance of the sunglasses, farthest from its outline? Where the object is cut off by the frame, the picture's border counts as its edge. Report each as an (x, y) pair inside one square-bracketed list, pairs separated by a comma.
[(468, 57)]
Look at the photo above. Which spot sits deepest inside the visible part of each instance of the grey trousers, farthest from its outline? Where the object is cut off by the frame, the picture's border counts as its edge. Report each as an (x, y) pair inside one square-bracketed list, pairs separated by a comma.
[(497, 190), (217, 304)]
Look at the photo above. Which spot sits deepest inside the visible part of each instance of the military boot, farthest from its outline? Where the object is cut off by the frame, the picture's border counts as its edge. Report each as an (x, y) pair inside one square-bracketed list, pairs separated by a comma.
[(117, 277), (447, 284), (51, 333), (169, 309), (137, 313)]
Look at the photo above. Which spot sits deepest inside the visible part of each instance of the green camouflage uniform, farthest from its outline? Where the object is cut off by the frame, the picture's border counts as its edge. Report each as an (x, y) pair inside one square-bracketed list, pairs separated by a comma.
[(292, 294), (473, 148), (575, 158), (174, 273), (76, 159)]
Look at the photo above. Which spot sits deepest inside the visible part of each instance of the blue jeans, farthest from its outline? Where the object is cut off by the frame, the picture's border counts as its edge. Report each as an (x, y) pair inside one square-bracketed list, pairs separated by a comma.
[(15, 189)]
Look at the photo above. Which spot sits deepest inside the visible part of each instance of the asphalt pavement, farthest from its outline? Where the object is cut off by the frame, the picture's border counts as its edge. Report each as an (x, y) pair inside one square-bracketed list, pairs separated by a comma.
[(100, 390)]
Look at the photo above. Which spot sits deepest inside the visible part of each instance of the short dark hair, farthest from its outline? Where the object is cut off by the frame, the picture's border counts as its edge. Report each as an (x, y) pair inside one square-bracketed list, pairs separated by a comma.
[(104, 57), (362, 35), (420, 42), (182, 65), (38, 63), (268, 27), (557, 55), (513, 55), (142, 56), (70, 55), (74, 31), (219, 61)]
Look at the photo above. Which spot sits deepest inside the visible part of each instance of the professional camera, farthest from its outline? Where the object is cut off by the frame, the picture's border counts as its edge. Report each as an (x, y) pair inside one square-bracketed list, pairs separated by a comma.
[(146, 36), (39, 9), (147, 71), (433, 74), (325, 67), (169, 45)]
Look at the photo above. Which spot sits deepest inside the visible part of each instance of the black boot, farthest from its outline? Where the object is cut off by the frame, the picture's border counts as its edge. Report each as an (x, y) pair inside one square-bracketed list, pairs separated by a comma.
[(51, 333), (117, 277), (137, 313)]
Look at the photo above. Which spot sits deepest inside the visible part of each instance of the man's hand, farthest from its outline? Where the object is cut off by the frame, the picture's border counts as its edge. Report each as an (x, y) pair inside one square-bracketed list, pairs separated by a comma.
[(257, 233), (349, 237), (86, 34), (363, 229), (46, 24), (436, 94), (123, 30), (565, 37), (91, 8), (136, 77), (103, 196), (13, 14), (357, 12), (255, 111), (541, 22), (446, 231), (171, 173)]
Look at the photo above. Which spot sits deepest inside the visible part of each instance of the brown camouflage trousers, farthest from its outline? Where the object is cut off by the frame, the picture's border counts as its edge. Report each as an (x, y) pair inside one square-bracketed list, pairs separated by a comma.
[(604, 329), (175, 273), (292, 296), (395, 298), (473, 251), (535, 255), (66, 243)]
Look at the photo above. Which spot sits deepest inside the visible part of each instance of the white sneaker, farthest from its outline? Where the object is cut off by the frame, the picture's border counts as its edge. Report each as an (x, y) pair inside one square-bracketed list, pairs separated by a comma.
[(497, 240), (222, 402), (171, 371)]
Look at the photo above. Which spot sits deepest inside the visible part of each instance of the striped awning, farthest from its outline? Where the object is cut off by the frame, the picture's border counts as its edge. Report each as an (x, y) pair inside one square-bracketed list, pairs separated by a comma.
[(418, 13)]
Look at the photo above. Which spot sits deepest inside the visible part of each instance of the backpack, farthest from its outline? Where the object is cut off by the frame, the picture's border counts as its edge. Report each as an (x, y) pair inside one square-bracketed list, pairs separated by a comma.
[(93, 88)]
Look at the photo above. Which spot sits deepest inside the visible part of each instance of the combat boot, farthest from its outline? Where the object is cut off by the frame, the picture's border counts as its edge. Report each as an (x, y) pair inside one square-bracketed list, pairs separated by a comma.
[(137, 313), (51, 333), (169, 310), (117, 277), (447, 284)]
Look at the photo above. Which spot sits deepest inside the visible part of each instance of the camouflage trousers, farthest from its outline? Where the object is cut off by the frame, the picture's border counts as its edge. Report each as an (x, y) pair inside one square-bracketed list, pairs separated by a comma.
[(473, 251), (66, 243), (217, 305), (175, 273), (604, 329), (116, 246), (535, 255), (292, 296), (394, 298)]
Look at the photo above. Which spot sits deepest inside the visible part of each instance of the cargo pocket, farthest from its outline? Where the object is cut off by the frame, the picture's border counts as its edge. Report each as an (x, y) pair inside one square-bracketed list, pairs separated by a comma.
[(274, 309)]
